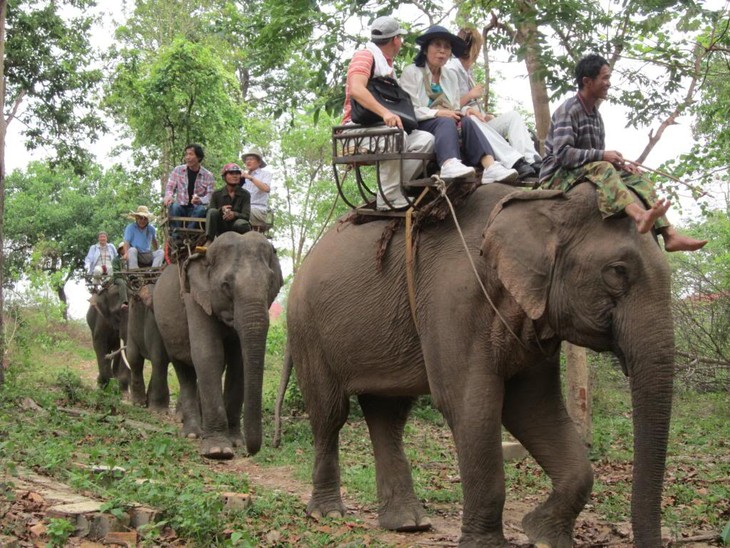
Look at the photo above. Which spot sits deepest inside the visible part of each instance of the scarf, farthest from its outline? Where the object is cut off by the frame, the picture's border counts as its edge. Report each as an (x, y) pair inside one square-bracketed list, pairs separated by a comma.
[(380, 66)]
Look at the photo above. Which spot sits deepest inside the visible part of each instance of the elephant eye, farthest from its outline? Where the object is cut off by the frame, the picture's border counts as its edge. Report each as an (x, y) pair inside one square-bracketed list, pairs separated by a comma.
[(616, 276)]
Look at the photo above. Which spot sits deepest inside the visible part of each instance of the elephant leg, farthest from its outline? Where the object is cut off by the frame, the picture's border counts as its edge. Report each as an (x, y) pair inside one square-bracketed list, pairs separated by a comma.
[(535, 414), (233, 391), (104, 364), (474, 415), (136, 365), (208, 356), (158, 391), (328, 410), (400, 510), (188, 402)]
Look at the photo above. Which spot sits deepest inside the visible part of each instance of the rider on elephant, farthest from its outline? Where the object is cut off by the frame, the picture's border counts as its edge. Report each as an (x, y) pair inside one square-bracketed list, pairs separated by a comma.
[(99, 259), (258, 182), (140, 241), (189, 186), (575, 152), (230, 207)]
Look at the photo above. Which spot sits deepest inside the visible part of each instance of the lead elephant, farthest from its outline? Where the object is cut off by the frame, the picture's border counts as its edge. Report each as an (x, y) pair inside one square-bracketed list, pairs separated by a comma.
[(105, 318), (144, 342), (551, 270), (221, 324)]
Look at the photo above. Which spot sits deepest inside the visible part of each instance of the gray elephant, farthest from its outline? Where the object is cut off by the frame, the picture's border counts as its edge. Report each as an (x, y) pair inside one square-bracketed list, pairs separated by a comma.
[(105, 318), (221, 324), (551, 270), (144, 342)]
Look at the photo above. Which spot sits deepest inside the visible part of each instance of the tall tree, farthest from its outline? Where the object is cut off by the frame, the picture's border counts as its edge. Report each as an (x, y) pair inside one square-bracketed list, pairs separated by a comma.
[(182, 95), (54, 101)]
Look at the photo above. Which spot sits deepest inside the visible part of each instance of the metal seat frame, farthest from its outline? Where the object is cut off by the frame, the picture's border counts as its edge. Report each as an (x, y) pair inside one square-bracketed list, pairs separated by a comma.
[(351, 149)]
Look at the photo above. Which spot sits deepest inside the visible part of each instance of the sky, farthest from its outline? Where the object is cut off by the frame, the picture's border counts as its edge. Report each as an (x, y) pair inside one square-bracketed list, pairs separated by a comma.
[(510, 81)]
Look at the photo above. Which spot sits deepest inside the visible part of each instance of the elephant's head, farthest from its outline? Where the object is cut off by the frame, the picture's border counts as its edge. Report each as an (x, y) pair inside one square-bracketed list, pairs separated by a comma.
[(108, 305), (235, 283), (596, 283)]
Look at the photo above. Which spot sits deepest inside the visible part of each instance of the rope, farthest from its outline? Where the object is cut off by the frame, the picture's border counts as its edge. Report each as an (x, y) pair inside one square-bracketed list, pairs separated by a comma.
[(410, 278), (441, 186)]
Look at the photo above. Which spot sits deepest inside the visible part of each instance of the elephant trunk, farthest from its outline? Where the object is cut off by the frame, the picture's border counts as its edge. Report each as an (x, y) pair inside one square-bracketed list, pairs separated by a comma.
[(252, 324), (650, 366)]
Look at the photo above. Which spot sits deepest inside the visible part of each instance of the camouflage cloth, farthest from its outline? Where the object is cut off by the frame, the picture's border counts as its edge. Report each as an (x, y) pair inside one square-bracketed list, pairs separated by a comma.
[(612, 187)]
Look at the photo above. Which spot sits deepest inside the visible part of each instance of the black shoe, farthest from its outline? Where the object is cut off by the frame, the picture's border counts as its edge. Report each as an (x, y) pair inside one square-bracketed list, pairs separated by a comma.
[(537, 166), (524, 170)]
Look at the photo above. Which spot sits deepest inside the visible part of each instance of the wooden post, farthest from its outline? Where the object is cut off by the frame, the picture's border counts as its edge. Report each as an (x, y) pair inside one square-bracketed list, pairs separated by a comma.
[(578, 391)]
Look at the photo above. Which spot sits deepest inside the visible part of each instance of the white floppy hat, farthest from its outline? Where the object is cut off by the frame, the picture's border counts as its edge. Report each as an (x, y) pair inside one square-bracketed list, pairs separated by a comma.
[(253, 151)]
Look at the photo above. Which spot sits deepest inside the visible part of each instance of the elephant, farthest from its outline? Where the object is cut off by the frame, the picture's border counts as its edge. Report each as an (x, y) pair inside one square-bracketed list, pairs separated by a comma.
[(484, 341), (220, 324), (144, 342), (105, 318)]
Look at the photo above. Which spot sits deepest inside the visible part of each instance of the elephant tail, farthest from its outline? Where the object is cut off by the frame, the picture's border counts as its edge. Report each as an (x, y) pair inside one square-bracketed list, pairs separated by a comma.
[(285, 374)]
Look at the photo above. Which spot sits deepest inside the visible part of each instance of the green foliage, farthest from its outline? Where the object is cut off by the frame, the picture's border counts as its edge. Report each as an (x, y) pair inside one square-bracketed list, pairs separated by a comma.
[(59, 530), (49, 70), (182, 95), (53, 215), (701, 306)]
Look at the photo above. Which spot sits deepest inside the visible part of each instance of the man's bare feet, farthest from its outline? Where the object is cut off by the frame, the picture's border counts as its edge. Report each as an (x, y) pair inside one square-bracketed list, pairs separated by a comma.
[(645, 218), (674, 241)]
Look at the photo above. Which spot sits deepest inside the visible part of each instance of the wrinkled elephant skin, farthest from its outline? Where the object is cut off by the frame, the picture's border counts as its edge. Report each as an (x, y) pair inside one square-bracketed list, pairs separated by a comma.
[(554, 270), (225, 307), (105, 319), (144, 342)]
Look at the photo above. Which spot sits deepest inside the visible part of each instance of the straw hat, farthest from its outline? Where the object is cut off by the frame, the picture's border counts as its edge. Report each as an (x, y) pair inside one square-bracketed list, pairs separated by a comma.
[(142, 211)]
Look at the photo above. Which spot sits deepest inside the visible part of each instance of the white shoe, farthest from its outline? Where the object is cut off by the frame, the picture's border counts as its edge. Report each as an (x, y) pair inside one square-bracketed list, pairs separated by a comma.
[(396, 204), (497, 173), (454, 169)]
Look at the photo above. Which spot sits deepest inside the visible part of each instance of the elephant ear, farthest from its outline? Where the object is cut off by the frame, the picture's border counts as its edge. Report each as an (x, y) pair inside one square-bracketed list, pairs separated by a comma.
[(278, 279), (196, 281), (520, 244)]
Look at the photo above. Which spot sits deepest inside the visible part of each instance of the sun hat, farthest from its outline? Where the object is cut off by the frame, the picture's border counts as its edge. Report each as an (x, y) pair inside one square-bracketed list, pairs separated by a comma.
[(142, 211), (120, 245), (385, 27), (229, 167), (253, 151), (437, 31)]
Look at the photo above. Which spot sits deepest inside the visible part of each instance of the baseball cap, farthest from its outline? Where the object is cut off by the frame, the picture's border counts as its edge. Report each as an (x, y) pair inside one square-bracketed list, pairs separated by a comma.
[(385, 27)]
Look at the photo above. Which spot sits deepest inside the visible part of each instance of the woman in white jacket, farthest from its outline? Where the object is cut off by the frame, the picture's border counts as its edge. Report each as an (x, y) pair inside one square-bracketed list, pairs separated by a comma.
[(434, 90), (507, 133)]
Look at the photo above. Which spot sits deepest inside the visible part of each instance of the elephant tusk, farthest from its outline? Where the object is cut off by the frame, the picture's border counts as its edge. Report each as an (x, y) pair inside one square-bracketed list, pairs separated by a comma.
[(123, 350)]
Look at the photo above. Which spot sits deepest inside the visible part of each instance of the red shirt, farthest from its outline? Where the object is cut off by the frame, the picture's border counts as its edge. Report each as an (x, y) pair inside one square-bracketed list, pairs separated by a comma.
[(361, 63)]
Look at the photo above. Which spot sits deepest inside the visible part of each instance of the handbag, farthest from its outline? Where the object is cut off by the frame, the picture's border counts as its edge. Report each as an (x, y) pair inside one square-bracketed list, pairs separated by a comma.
[(388, 93)]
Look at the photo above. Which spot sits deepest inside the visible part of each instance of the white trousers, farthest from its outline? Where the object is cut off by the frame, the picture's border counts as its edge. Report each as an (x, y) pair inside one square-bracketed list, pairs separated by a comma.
[(132, 262), (390, 177), (510, 139)]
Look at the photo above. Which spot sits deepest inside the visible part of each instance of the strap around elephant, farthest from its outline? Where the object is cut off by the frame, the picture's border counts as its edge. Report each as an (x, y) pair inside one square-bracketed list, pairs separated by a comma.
[(410, 257)]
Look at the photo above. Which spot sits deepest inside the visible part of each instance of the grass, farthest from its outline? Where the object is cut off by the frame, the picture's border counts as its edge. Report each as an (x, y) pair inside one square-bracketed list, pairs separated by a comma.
[(186, 488)]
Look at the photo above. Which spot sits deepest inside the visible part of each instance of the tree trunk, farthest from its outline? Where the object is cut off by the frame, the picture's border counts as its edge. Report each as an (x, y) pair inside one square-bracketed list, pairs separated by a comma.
[(578, 391), (3, 128), (527, 38), (61, 292)]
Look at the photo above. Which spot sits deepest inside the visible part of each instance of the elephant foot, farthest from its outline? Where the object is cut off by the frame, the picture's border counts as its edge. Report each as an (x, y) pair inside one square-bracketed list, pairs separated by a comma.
[(405, 518), (216, 448), (495, 540), (158, 407), (546, 530), (236, 438), (329, 509)]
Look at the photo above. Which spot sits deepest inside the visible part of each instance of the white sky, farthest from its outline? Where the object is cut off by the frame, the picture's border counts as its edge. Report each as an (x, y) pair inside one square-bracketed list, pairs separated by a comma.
[(630, 142)]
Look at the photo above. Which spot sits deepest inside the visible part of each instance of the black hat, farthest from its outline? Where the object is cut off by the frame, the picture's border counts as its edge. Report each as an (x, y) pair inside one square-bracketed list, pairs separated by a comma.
[(458, 46)]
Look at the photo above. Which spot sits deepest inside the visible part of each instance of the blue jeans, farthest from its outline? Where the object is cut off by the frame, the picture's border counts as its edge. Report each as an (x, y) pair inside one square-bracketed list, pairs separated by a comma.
[(177, 210)]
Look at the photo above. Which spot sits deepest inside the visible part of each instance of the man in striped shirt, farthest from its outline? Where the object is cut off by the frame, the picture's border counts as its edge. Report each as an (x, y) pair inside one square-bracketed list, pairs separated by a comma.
[(377, 59), (575, 152)]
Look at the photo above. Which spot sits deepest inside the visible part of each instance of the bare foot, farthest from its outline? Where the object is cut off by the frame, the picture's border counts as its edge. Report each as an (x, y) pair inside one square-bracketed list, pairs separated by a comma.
[(645, 218), (674, 241)]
